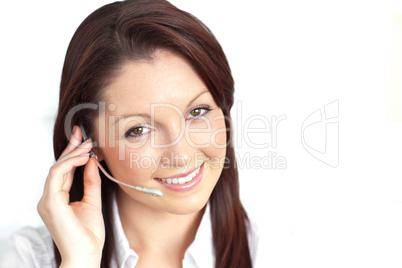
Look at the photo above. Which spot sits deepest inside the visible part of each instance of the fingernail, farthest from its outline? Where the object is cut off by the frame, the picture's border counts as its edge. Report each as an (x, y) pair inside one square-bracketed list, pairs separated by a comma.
[(86, 141), (74, 129), (87, 154)]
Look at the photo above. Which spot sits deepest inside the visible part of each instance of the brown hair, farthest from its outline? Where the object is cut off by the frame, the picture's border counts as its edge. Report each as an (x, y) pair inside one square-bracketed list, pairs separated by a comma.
[(133, 30)]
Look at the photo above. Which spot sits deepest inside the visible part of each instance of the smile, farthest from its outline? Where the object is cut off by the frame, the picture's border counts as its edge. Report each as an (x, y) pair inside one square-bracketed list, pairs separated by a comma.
[(183, 182)]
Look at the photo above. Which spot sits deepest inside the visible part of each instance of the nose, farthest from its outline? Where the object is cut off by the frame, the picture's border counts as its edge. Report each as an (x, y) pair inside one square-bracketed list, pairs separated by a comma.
[(178, 146), (179, 143), (176, 151)]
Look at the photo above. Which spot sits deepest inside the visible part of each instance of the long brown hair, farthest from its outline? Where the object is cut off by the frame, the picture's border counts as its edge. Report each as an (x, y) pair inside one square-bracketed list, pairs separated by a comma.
[(133, 30)]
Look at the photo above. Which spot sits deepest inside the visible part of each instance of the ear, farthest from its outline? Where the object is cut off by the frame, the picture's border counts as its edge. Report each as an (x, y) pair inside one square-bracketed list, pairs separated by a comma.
[(99, 154)]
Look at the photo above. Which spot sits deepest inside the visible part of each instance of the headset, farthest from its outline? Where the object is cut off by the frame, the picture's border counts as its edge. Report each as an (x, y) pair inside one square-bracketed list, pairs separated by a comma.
[(151, 191)]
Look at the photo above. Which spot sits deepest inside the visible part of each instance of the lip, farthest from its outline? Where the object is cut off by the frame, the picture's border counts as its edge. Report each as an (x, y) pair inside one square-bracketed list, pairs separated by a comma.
[(180, 175), (185, 186)]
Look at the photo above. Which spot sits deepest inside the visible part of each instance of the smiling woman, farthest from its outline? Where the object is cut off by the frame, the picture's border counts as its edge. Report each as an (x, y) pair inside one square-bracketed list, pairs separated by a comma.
[(172, 131), (168, 90)]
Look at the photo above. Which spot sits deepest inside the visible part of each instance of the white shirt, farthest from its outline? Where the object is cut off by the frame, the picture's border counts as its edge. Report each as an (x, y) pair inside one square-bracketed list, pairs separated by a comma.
[(33, 247)]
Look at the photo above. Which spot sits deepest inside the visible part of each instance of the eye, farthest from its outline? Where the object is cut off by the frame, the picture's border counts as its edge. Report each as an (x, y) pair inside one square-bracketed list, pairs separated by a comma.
[(198, 112), (137, 132)]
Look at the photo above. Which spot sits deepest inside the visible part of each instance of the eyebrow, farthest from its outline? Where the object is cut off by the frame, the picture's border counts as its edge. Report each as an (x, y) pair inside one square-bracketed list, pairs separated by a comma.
[(149, 116), (199, 95)]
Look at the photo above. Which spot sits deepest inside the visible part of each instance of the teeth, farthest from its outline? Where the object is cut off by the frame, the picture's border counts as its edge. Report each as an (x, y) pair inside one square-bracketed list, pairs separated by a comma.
[(182, 180)]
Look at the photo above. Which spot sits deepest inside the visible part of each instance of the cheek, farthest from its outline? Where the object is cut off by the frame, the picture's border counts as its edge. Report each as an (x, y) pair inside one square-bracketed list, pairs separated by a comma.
[(130, 165), (207, 133), (218, 143), (219, 139)]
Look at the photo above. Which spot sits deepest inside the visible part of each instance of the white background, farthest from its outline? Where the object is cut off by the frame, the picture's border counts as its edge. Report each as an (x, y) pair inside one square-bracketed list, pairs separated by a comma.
[(288, 58)]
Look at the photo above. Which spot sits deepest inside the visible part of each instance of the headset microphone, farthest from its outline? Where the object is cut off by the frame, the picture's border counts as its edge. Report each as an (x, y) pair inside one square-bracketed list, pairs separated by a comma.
[(151, 191)]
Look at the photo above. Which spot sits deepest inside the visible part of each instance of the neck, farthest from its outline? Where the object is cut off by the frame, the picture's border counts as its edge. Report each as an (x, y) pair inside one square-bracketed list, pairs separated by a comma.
[(153, 232)]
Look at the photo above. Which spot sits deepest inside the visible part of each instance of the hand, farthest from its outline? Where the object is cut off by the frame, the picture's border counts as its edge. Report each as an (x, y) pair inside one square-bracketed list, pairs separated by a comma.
[(77, 228)]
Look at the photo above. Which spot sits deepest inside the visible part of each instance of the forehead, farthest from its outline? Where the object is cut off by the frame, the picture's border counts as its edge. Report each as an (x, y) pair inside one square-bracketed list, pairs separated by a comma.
[(166, 78)]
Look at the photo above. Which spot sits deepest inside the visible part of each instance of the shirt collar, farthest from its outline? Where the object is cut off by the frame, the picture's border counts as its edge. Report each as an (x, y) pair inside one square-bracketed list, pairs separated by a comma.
[(201, 250), (199, 253), (124, 255)]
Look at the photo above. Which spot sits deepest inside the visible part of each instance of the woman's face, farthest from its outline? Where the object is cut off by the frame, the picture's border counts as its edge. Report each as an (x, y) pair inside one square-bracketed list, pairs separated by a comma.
[(162, 129)]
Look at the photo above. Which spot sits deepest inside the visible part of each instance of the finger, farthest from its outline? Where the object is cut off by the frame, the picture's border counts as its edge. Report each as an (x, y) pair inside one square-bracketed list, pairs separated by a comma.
[(59, 167), (81, 150), (75, 140), (62, 173), (84, 147), (68, 181), (92, 184), (69, 177)]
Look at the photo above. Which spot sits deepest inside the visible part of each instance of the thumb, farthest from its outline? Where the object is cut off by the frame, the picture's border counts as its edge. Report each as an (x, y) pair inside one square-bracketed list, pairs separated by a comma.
[(92, 184)]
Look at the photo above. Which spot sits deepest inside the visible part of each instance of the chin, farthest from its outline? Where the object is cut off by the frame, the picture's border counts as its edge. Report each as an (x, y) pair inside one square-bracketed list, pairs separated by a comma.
[(190, 205)]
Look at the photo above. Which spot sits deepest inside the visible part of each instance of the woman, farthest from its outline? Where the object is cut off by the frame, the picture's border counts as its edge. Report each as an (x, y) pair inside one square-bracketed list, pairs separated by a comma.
[(151, 87)]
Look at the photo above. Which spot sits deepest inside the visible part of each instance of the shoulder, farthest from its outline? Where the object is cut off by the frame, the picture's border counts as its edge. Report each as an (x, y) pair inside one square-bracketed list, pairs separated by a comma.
[(29, 247)]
